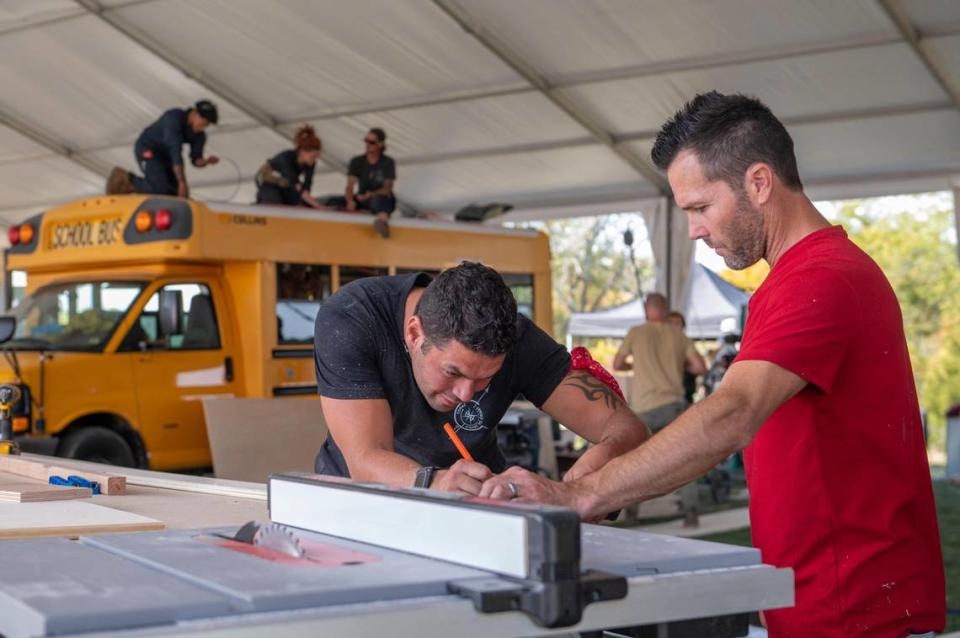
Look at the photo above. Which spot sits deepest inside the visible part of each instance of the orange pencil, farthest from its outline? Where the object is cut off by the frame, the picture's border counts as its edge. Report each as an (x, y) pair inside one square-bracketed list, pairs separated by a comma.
[(464, 452)]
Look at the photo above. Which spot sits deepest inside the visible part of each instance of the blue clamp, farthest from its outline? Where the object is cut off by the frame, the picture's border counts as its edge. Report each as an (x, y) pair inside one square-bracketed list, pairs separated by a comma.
[(75, 481)]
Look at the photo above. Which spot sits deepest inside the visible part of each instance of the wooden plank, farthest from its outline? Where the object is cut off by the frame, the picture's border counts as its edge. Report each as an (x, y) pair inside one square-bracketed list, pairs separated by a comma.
[(186, 510), (68, 518), (35, 492), (41, 469), (250, 439), (169, 480)]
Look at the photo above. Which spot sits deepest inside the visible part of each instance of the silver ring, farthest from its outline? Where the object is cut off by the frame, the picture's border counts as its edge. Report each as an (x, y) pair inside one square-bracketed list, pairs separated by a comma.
[(514, 492)]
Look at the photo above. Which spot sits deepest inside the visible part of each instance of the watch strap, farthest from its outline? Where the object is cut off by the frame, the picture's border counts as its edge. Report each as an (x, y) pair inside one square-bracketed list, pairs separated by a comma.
[(425, 476)]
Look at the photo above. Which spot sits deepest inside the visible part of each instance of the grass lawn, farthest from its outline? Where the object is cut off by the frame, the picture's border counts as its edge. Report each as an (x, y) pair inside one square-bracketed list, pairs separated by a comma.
[(948, 512)]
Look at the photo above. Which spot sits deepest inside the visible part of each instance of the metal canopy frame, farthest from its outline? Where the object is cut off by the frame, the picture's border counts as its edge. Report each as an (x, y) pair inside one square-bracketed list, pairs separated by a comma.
[(532, 82)]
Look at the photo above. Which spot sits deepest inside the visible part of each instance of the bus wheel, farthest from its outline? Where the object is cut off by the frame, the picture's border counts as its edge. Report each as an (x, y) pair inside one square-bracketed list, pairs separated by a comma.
[(97, 444)]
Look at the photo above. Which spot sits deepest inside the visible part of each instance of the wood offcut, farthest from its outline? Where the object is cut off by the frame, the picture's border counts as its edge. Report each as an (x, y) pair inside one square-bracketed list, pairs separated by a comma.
[(111, 484)]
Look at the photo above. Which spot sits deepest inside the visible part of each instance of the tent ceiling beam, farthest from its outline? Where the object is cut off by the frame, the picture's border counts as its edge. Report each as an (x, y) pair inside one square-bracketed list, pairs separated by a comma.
[(898, 16), (827, 118), (148, 43), (881, 177), (53, 17), (593, 77), (499, 151), (46, 140), (531, 75)]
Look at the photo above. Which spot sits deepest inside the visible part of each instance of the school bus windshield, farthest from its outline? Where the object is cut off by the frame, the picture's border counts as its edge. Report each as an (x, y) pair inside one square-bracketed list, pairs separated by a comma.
[(76, 316)]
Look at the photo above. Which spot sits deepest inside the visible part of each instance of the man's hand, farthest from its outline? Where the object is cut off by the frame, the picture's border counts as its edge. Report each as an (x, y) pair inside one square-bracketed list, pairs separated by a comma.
[(462, 476), (362, 197), (351, 205), (590, 461), (531, 487), (182, 190), (210, 160)]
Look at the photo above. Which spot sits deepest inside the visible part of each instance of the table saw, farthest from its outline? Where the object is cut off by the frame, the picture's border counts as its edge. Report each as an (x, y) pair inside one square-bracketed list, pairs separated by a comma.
[(344, 558)]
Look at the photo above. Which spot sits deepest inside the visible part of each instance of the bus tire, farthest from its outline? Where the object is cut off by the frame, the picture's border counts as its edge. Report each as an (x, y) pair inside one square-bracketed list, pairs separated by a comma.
[(97, 444)]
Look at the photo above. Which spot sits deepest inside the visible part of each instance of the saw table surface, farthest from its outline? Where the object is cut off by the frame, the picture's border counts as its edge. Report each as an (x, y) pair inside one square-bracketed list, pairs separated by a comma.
[(186, 581), (160, 582)]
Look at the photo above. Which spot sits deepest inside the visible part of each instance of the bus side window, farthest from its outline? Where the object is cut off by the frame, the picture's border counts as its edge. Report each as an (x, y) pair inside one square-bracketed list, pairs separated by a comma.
[(352, 273), (198, 323), (300, 290), (521, 285)]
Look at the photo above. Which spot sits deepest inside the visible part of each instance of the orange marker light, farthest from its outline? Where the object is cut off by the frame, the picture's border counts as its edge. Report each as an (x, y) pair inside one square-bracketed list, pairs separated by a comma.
[(464, 452), (26, 233), (143, 221), (20, 424)]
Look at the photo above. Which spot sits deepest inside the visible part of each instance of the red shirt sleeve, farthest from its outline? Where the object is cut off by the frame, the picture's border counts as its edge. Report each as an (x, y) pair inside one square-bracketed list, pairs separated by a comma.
[(802, 323)]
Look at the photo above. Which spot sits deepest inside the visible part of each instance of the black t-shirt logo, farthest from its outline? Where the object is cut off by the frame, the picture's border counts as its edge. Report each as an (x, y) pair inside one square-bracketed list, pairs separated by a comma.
[(469, 416)]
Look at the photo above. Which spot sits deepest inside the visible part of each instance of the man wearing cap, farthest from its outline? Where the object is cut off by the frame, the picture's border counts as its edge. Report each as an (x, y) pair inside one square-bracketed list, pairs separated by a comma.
[(158, 151)]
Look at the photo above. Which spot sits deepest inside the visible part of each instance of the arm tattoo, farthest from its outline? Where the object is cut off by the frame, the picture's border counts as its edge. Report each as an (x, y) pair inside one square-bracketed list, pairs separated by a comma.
[(593, 389)]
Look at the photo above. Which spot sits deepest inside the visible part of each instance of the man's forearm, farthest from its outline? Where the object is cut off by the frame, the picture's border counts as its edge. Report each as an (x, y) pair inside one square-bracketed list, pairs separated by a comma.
[(384, 466), (179, 174), (697, 441), (622, 433)]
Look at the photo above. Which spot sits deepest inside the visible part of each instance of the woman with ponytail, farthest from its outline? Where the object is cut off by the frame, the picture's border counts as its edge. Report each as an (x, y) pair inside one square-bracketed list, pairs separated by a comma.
[(286, 178)]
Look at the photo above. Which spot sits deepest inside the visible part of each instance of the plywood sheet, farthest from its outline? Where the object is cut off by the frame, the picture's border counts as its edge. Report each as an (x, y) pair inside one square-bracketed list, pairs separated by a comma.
[(68, 518), (169, 481), (253, 438), (34, 492)]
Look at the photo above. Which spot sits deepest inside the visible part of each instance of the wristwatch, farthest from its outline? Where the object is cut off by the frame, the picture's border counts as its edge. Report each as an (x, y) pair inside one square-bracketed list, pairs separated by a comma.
[(425, 476)]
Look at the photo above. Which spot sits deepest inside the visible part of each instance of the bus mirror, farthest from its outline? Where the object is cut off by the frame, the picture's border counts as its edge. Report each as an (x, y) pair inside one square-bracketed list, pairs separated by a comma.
[(171, 312), (8, 325)]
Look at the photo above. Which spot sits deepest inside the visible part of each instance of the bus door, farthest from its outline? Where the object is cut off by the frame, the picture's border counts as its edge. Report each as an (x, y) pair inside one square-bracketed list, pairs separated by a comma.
[(181, 355)]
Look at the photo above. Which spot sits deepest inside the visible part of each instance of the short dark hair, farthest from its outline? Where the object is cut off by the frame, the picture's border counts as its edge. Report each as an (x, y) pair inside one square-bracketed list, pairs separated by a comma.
[(379, 133), (471, 304), (728, 133), (207, 110)]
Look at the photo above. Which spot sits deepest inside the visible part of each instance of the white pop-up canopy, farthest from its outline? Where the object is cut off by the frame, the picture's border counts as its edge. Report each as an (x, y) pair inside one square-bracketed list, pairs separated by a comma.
[(550, 105), (711, 307)]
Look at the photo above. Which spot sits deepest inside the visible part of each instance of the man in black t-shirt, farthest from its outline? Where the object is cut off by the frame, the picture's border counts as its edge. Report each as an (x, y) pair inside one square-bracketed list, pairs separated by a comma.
[(370, 180), (398, 357), (159, 153)]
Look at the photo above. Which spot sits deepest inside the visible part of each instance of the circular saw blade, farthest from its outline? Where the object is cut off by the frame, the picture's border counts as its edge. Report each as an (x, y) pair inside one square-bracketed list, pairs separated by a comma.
[(279, 539)]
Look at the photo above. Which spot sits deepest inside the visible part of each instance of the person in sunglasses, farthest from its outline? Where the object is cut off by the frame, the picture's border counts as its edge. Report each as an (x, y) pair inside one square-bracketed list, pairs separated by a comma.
[(370, 180)]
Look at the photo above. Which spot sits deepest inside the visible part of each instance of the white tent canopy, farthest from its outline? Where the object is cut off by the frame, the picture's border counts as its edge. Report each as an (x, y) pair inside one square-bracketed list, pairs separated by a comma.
[(711, 307), (550, 105)]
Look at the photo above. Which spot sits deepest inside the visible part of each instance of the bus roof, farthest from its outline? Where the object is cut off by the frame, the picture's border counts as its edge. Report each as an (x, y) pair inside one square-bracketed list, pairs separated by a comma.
[(107, 232), (363, 218)]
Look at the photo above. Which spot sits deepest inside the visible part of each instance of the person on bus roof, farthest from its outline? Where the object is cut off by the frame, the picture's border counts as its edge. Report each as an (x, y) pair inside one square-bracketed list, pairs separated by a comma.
[(286, 177), (159, 153), (370, 180)]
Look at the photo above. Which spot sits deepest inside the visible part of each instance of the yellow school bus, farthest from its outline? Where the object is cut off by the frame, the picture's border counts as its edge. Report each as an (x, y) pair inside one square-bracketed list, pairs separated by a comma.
[(138, 307)]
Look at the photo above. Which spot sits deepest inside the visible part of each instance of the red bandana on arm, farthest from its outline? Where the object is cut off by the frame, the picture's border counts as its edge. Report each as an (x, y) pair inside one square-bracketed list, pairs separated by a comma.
[(581, 360)]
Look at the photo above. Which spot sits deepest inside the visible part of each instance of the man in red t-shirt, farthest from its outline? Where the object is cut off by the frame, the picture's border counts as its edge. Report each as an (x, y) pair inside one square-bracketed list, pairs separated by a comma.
[(821, 396)]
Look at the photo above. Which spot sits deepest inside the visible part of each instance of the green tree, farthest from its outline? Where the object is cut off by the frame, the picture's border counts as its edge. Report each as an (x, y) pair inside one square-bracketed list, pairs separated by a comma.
[(592, 266), (917, 250)]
